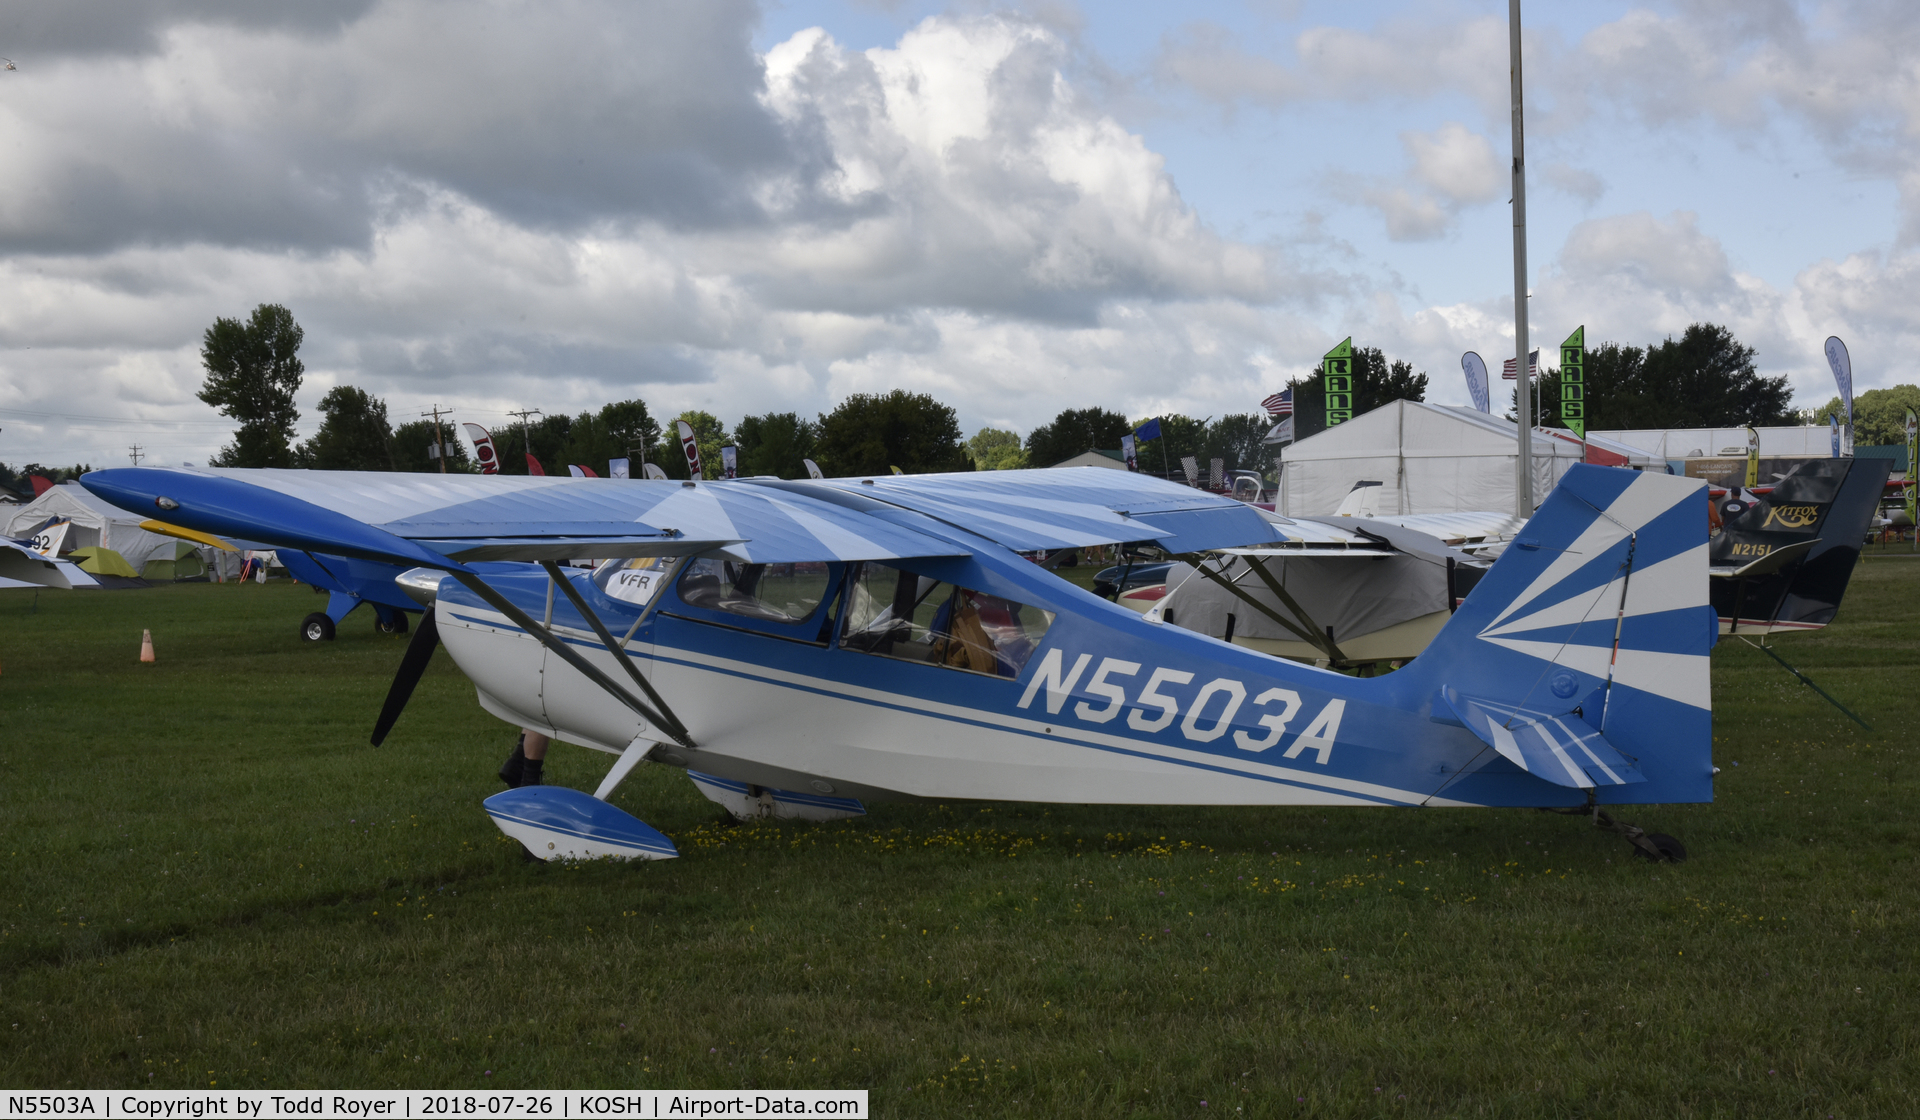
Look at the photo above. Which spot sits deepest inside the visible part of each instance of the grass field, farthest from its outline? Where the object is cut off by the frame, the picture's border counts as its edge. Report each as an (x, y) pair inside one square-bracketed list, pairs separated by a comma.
[(211, 878)]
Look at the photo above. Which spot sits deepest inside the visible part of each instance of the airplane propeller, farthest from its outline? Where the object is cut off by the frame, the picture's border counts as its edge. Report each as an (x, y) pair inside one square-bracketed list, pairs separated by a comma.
[(412, 666)]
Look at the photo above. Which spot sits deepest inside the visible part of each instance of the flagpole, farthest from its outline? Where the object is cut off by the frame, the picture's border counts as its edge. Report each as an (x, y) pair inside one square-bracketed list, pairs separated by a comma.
[(1523, 463)]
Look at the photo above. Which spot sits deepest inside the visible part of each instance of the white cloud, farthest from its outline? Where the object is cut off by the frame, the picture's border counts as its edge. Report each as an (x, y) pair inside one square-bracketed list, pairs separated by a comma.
[(1453, 167), (1578, 182), (946, 214)]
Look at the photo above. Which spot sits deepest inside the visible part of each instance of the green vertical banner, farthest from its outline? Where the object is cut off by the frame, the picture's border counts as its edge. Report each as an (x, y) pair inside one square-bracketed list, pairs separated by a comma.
[(1337, 381), (1573, 382)]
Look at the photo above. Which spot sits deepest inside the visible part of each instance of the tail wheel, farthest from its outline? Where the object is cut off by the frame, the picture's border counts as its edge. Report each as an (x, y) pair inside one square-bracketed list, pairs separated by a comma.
[(1670, 849), (316, 627)]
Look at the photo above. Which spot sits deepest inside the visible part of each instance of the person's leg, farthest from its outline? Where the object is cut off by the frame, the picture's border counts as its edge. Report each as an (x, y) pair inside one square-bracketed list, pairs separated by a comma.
[(534, 746)]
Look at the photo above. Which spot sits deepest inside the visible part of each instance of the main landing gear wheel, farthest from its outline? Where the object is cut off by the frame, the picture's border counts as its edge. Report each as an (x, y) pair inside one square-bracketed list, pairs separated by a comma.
[(316, 627), (397, 626)]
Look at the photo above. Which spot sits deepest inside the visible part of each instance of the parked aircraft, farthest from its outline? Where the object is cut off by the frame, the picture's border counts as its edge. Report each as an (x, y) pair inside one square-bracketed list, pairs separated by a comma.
[(878, 638)]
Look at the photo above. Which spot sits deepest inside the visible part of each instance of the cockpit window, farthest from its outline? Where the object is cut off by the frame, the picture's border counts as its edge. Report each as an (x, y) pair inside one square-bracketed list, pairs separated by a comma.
[(769, 592), (900, 614)]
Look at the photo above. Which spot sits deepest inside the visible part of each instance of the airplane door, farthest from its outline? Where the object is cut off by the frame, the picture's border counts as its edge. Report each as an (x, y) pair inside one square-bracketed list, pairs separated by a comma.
[(574, 705)]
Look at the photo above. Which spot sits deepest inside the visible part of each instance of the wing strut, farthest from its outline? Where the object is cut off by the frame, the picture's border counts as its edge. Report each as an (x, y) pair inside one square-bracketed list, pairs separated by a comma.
[(1322, 642), (572, 657), (671, 722)]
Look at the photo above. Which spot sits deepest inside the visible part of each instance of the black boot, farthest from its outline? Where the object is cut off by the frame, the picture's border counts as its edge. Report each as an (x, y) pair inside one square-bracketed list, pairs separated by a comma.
[(530, 772), (510, 769)]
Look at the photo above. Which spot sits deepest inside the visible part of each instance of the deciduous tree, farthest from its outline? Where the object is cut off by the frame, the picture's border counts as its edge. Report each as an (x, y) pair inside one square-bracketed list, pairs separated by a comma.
[(870, 433), (775, 444), (354, 436), (253, 370), (996, 449), (1879, 415), (410, 443), (1376, 381), (1074, 431)]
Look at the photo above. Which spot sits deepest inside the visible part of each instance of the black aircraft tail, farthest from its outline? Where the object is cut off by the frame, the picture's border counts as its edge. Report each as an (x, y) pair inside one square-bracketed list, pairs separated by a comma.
[(1781, 561)]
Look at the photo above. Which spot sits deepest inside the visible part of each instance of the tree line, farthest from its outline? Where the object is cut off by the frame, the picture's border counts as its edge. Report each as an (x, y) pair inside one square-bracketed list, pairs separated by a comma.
[(1706, 378), (253, 370)]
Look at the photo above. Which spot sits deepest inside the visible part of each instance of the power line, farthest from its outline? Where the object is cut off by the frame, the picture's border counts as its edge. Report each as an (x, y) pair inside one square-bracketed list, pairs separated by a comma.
[(107, 419), (134, 453)]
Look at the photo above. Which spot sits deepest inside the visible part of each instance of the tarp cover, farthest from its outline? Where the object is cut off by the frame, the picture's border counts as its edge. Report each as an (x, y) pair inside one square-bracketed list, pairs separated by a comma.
[(1353, 595)]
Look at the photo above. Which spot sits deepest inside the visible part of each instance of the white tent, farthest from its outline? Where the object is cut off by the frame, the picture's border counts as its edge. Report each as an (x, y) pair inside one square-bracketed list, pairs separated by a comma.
[(1815, 441), (94, 523), (1433, 458), (1095, 458)]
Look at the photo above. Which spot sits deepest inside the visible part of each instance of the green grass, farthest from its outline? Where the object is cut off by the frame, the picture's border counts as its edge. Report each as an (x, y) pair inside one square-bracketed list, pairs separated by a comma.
[(210, 877)]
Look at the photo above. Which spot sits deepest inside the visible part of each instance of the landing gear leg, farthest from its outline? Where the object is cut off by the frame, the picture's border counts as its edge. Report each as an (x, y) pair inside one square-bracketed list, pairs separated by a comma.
[(1655, 846)]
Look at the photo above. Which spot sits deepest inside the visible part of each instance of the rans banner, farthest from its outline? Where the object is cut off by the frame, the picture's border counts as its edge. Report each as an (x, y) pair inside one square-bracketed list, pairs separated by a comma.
[(483, 448), (729, 461), (617, 468), (1573, 382), (1842, 364), (1753, 458), (1127, 452), (690, 446), (1337, 382), (1476, 370)]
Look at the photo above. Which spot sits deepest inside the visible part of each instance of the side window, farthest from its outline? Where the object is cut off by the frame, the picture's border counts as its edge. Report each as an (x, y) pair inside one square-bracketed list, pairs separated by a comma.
[(769, 592), (632, 581), (895, 613)]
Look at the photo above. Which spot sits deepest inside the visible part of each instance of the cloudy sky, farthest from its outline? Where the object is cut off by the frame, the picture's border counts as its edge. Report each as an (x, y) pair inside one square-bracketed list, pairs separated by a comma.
[(1017, 208)]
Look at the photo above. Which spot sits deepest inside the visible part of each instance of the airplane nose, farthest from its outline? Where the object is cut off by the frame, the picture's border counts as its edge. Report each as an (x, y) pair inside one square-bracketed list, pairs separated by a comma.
[(422, 585)]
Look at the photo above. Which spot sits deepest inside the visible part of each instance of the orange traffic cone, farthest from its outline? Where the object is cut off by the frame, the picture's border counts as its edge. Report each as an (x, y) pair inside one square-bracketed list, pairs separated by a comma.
[(146, 646)]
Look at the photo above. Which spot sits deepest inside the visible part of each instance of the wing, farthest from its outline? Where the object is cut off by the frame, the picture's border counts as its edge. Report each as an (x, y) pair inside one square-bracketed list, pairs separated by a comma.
[(437, 519), (444, 520), (1065, 508)]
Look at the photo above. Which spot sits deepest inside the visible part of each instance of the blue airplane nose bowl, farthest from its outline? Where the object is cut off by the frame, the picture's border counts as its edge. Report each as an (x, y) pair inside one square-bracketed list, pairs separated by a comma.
[(556, 823)]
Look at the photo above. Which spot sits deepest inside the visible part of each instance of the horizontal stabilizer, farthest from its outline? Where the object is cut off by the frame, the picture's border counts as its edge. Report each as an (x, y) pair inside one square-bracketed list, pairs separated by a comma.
[(747, 802), (557, 823), (1562, 749)]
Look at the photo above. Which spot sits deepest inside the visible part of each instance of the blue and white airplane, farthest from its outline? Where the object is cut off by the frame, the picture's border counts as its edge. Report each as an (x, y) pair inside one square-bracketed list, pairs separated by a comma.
[(807, 646)]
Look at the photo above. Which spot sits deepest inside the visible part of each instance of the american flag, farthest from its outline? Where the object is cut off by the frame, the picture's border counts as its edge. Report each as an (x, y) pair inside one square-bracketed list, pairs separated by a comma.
[(1533, 367), (1280, 404)]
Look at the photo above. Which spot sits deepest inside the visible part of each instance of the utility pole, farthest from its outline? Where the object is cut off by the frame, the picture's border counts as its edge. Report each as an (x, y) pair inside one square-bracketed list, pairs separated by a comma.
[(525, 437), (439, 443), (1523, 463), (134, 453)]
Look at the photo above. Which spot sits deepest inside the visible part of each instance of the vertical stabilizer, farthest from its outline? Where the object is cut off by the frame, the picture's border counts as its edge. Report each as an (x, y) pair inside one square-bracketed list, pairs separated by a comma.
[(1598, 612)]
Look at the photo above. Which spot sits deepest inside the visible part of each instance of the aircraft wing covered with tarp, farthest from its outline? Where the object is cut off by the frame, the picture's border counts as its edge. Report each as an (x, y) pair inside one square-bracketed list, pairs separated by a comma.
[(443, 520)]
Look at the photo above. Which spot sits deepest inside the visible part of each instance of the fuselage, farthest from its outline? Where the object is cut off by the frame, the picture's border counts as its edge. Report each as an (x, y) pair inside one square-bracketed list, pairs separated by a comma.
[(1106, 707)]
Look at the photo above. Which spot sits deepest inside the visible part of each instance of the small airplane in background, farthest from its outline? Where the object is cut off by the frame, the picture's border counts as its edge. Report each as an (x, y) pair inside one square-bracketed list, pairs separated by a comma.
[(1782, 555), (804, 647), (36, 563)]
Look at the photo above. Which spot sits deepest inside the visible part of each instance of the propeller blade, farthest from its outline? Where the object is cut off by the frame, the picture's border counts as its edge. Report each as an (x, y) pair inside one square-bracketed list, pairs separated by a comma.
[(419, 651)]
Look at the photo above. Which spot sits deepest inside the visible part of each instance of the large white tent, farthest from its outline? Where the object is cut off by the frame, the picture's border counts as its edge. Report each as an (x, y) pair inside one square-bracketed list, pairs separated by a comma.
[(94, 523), (1433, 458), (1815, 442)]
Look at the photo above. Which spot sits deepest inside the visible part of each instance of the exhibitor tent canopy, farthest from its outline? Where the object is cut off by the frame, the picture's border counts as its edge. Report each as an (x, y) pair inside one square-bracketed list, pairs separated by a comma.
[(1433, 458)]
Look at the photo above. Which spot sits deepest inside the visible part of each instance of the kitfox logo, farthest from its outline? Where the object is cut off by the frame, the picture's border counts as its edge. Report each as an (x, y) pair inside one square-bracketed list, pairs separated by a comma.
[(1210, 712), (1792, 517)]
